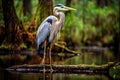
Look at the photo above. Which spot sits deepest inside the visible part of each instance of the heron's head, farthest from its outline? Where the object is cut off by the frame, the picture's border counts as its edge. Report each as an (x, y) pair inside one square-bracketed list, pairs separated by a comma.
[(63, 8)]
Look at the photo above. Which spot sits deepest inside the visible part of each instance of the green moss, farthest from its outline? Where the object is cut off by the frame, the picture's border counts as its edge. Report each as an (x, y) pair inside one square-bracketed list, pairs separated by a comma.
[(23, 46), (115, 72)]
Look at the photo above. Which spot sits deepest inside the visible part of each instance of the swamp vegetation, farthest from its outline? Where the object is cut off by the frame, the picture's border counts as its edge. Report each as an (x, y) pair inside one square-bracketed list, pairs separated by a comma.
[(88, 46)]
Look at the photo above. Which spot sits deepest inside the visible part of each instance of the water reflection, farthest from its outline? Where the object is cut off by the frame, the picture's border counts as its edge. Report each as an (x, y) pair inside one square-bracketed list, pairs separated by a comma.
[(4, 75), (98, 58), (91, 58)]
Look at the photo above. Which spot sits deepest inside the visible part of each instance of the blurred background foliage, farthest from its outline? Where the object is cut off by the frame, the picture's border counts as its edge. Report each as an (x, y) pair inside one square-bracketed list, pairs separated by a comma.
[(94, 23)]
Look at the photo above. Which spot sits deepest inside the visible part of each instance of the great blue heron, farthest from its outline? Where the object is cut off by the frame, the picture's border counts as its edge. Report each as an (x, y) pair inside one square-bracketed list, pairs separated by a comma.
[(49, 28)]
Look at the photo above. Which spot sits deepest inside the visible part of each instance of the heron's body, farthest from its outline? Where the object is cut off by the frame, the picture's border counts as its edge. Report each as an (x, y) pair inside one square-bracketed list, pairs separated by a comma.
[(49, 29), (44, 31)]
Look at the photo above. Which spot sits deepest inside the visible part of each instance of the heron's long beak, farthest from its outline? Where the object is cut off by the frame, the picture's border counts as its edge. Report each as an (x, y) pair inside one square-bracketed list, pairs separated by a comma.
[(69, 8)]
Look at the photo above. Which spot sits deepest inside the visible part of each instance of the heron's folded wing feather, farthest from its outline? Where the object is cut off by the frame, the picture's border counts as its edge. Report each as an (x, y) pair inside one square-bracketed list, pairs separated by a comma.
[(43, 33)]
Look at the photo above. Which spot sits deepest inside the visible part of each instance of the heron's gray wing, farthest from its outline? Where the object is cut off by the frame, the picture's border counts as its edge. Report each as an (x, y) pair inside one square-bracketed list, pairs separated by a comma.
[(43, 33)]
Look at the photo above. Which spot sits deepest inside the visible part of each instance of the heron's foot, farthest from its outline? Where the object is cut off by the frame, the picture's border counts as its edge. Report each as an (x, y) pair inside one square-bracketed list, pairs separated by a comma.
[(51, 70), (44, 70)]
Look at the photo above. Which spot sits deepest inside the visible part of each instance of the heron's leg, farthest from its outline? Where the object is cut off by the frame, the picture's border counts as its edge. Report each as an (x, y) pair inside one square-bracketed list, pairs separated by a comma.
[(44, 56), (50, 58), (51, 75)]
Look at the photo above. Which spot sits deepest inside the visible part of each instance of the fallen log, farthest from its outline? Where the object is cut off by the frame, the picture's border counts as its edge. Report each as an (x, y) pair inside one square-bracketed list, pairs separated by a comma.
[(90, 69)]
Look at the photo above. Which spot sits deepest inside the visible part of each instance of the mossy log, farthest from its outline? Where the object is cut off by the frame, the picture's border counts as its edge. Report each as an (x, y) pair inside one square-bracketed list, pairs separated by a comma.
[(90, 69)]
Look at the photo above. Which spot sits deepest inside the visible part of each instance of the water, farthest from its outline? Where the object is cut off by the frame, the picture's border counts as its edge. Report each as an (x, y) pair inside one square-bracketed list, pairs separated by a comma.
[(91, 58), (4, 75)]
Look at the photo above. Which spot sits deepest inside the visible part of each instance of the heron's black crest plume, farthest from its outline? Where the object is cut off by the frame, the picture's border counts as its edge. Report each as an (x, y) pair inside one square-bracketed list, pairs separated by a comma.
[(59, 5)]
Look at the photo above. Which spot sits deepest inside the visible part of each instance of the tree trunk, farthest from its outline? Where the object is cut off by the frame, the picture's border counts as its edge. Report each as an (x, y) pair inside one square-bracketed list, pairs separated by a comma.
[(103, 3), (27, 7), (68, 2), (12, 23), (45, 9)]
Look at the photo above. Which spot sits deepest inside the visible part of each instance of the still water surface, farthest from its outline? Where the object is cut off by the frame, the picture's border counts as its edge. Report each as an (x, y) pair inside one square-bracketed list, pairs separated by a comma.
[(91, 58), (4, 75)]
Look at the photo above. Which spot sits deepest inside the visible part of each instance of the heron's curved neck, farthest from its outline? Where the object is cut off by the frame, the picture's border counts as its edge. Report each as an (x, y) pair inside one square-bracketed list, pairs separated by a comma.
[(61, 16)]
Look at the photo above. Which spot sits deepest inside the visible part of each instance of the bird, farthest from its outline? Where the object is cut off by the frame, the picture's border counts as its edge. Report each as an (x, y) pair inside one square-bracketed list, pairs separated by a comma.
[(48, 30)]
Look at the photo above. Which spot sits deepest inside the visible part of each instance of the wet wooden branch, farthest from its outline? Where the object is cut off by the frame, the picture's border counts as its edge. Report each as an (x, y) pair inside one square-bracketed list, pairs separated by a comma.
[(66, 49), (96, 69)]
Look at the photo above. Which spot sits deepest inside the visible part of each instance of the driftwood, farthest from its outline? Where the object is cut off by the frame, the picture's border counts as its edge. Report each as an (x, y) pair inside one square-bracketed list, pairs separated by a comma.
[(67, 49), (103, 69)]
